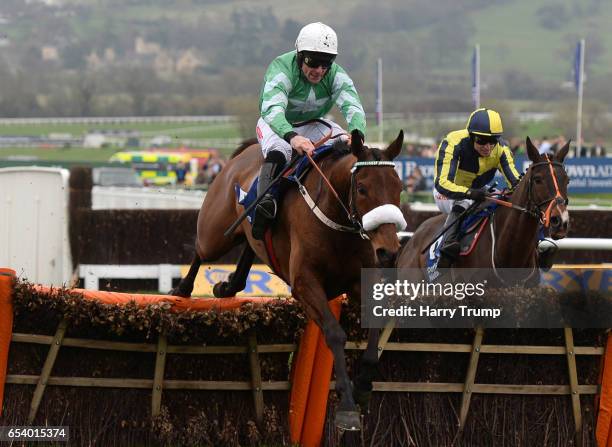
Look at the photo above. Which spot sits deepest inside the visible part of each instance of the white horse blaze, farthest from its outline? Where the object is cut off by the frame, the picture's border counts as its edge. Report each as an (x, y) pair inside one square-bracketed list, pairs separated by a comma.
[(383, 214)]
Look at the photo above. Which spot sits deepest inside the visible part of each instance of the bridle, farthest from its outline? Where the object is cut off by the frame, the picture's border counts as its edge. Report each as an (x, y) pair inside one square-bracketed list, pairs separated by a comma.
[(537, 208), (534, 209), (353, 215)]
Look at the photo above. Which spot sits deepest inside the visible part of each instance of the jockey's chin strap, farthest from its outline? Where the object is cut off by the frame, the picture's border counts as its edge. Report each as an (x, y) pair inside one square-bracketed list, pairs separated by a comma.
[(533, 209)]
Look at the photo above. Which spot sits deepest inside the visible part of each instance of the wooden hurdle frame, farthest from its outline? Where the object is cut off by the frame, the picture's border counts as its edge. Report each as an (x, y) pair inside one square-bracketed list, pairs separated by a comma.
[(314, 365)]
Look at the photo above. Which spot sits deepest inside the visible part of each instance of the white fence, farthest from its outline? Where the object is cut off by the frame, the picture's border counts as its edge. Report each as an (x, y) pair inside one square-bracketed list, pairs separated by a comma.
[(115, 197), (165, 273)]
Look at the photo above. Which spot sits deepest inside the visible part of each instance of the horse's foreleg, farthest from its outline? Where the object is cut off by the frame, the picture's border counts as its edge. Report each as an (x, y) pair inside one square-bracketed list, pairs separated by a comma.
[(237, 280), (367, 371), (185, 287), (347, 413)]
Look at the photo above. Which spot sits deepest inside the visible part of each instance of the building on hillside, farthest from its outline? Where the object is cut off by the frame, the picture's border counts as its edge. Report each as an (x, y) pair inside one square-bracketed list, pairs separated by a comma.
[(49, 53), (109, 54), (141, 46), (94, 61), (163, 64), (188, 61)]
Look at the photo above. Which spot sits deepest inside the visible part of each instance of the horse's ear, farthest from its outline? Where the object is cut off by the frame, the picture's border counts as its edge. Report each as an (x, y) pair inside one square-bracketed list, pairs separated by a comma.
[(532, 151), (395, 147), (563, 152), (356, 143)]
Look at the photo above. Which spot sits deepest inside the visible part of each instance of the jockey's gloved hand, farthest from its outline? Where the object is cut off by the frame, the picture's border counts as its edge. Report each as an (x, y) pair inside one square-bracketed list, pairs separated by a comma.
[(361, 135), (477, 195)]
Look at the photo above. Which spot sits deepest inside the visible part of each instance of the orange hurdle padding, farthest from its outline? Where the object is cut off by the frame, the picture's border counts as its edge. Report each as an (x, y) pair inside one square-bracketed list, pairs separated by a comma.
[(316, 410), (177, 304), (6, 324), (300, 380), (604, 418)]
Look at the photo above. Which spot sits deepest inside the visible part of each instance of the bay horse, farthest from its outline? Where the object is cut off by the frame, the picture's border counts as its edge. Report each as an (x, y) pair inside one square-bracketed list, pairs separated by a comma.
[(540, 198), (319, 252)]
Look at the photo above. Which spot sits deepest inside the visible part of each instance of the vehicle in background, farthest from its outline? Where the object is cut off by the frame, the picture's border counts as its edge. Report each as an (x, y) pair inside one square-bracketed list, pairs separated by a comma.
[(107, 176), (158, 168)]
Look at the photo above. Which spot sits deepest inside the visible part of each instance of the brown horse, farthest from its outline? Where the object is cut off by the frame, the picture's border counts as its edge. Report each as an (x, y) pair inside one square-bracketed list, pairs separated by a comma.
[(539, 198), (318, 261)]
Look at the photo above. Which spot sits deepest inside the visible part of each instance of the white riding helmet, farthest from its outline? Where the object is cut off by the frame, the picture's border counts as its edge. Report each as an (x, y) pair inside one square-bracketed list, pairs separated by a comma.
[(317, 37)]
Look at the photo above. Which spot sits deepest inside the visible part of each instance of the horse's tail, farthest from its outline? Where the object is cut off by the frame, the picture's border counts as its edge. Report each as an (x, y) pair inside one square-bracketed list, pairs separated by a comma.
[(243, 146)]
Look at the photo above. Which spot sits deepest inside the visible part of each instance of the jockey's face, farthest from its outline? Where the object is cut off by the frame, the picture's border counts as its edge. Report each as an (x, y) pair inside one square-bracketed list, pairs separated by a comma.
[(314, 75), (484, 150)]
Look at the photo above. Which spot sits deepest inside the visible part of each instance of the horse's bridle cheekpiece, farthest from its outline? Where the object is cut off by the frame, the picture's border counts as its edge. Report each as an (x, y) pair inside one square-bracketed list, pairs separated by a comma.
[(372, 219), (536, 209)]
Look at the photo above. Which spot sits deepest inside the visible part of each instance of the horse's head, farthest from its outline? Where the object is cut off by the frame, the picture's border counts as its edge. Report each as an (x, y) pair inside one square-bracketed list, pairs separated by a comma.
[(547, 189), (375, 196)]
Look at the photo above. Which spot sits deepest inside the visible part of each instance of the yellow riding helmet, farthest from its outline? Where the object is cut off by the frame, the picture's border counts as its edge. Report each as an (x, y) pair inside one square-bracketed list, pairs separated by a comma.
[(485, 122)]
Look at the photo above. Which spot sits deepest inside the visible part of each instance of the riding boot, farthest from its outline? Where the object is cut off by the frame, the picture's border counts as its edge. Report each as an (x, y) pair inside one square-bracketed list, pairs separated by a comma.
[(450, 246), (546, 254), (265, 211)]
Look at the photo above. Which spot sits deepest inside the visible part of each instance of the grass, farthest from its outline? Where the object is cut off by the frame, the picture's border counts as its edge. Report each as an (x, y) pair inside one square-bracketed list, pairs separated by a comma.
[(61, 154), (190, 130)]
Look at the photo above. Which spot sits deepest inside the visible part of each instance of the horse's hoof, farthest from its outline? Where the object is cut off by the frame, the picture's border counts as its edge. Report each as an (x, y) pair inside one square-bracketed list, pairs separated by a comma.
[(222, 290), (362, 398), (348, 420), (180, 292)]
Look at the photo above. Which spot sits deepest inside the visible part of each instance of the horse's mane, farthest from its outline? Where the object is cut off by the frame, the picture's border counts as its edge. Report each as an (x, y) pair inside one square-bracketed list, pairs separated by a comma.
[(243, 146), (341, 148)]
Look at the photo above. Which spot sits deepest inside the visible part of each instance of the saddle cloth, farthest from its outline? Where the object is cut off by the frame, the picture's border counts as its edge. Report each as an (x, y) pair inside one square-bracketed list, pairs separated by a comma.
[(470, 230), (302, 165)]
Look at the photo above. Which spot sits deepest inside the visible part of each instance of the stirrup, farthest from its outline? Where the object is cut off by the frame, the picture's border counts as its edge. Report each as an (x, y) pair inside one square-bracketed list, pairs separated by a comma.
[(451, 250), (263, 218), (267, 207)]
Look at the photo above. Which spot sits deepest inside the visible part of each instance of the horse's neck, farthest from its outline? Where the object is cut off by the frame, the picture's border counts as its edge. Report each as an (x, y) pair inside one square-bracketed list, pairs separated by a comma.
[(515, 233), (338, 173)]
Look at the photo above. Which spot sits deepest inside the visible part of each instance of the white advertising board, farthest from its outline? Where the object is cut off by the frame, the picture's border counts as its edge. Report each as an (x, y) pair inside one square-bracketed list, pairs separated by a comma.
[(34, 224)]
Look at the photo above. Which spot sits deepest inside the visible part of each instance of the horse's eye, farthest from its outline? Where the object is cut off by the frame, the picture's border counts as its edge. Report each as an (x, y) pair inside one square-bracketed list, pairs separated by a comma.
[(361, 189), (537, 179), (567, 201)]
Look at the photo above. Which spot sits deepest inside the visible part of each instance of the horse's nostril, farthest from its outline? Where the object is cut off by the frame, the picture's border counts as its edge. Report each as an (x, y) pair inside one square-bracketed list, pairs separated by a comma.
[(555, 221), (385, 257)]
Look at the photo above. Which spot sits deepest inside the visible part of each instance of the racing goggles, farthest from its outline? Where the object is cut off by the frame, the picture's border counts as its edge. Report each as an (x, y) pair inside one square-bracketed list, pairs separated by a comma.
[(486, 139), (319, 60)]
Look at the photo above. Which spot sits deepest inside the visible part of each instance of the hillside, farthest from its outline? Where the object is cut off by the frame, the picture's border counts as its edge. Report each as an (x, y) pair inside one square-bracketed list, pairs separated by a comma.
[(205, 56)]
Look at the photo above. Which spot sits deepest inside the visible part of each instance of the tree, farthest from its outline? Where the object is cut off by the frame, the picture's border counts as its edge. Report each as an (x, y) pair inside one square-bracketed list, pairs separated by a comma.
[(552, 16)]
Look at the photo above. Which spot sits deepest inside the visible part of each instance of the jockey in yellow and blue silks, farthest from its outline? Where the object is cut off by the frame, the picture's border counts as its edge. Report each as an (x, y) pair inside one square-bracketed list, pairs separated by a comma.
[(466, 161)]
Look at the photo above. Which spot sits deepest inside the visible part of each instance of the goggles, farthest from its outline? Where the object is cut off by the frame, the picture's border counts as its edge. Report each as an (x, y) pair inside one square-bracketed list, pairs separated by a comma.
[(316, 61), (484, 140)]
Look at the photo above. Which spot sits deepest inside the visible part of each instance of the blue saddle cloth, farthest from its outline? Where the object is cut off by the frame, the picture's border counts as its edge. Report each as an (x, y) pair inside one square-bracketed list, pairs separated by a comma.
[(433, 253), (245, 198)]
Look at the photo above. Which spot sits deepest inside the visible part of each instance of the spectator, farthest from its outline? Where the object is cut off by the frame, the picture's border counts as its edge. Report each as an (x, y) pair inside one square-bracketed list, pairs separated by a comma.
[(545, 147), (430, 151), (584, 150), (416, 181), (599, 149), (557, 144), (181, 171), (516, 146)]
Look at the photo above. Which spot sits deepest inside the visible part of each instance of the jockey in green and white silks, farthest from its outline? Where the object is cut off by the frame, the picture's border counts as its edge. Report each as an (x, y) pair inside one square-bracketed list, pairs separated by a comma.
[(301, 85)]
